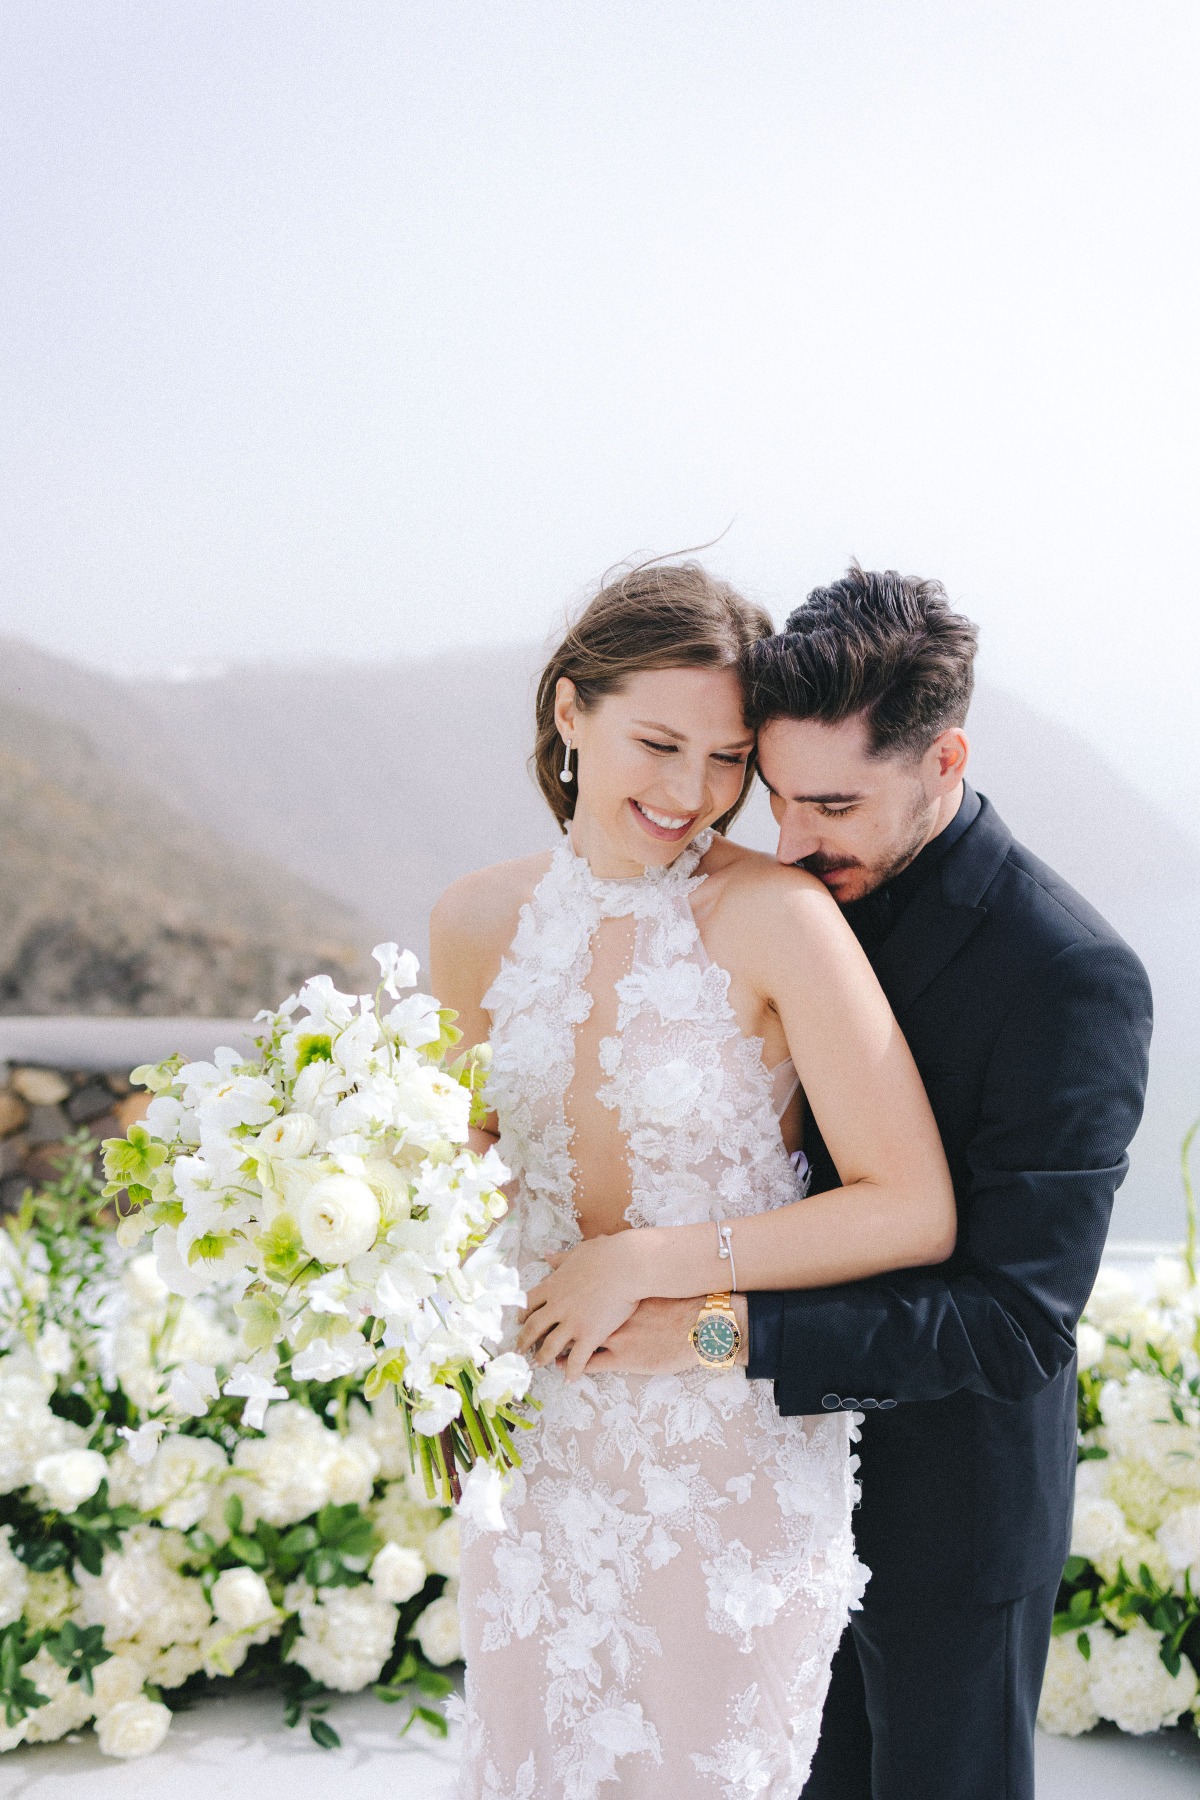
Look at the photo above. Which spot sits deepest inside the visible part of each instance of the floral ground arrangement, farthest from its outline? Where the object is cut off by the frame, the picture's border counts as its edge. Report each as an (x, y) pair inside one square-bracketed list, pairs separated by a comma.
[(305, 1556), (1127, 1629)]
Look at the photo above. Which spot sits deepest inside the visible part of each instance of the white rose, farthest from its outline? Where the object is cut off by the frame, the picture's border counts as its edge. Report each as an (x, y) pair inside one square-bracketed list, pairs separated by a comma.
[(178, 1485), (398, 1573), (442, 1550), (346, 1636), (1098, 1528), (438, 1631), (133, 1728), (338, 1218), (69, 1477), (1091, 1345), (120, 1678), (241, 1599)]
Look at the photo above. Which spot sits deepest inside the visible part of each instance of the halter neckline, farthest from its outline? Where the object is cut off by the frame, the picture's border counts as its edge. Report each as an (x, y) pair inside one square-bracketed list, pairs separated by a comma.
[(671, 876)]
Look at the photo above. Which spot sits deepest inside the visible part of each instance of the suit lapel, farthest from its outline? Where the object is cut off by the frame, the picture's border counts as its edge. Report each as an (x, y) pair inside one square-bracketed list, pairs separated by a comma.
[(944, 913)]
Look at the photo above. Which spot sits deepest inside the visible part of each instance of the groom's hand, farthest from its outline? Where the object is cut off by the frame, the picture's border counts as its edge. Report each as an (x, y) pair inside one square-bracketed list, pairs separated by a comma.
[(654, 1339)]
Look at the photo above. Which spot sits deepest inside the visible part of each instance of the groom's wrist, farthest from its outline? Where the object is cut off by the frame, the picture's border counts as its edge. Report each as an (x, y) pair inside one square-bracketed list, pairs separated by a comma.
[(741, 1314)]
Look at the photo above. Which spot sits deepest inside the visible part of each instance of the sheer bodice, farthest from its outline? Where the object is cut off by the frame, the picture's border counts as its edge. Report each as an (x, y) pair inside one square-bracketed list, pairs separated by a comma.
[(677, 1566)]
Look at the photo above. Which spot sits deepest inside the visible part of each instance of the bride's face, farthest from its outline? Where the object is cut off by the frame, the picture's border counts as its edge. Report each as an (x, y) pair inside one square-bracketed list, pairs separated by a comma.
[(655, 763)]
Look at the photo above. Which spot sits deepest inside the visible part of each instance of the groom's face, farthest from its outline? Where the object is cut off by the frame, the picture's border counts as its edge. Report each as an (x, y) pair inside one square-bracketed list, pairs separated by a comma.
[(853, 819)]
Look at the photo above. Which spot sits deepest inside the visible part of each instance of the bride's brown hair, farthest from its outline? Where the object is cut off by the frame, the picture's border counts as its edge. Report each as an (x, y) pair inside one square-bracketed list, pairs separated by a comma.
[(656, 616)]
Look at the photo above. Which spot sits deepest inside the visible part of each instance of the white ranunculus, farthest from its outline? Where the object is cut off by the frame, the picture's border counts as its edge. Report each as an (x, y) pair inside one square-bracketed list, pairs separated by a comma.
[(69, 1477), (240, 1598), (338, 1218), (398, 1572), (438, 1631), (289, 1136), (133, 1728)]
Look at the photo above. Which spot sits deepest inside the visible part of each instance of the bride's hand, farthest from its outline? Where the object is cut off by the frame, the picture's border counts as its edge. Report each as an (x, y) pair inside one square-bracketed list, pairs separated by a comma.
[(593, 1290)]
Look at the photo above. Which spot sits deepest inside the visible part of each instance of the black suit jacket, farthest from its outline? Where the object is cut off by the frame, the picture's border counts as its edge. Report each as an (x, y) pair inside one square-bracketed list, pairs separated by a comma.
[(1029, 1020)]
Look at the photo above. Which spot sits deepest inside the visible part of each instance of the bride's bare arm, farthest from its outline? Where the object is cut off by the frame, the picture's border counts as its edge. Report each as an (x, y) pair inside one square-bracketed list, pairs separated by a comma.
[(895, 1208)]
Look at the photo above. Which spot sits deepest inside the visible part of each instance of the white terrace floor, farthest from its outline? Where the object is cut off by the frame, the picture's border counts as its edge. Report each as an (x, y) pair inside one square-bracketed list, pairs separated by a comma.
[(237, 1748)]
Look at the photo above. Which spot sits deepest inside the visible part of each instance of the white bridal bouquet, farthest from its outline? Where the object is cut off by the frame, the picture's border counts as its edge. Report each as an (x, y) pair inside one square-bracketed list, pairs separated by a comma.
[(326, 1184), (1127, 1628), (139, 1563)]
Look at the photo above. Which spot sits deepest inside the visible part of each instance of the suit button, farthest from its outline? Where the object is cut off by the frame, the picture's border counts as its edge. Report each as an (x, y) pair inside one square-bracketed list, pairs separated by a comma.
[(886, 1405), (866, 1405), (831, 1402), (850, 1403)]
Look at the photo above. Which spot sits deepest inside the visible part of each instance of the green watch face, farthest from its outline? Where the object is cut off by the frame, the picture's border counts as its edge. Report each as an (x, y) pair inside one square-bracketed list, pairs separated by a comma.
[(716, 1337)]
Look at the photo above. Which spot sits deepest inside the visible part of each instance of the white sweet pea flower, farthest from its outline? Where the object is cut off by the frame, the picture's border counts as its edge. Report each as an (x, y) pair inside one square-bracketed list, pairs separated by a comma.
[(255, 1381), (143, 1443), (399, 969), (327, 1359), (69, 1477), (416, 1021), (506, 1378), (192, 1386), (54, 1350), (338, 1219), (164, 1118), (143, 1282), (437, 1406)]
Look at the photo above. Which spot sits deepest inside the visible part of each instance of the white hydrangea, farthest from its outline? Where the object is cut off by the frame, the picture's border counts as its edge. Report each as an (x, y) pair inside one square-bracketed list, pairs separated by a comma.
[(402, 1515), (29, 1431), (69, 1706), (1179, 1539), (1066, 1707), (300, 1465), (1131, 1687), (14, 1580), (346, 1634), (51, 1599), (138, 1598)]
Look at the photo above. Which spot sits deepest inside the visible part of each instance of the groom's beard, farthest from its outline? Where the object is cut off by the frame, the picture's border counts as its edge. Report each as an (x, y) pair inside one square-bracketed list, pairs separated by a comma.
[(875, 874)]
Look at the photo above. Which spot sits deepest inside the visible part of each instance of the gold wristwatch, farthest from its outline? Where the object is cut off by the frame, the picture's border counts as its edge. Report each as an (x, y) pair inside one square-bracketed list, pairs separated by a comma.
[(716, 1336)]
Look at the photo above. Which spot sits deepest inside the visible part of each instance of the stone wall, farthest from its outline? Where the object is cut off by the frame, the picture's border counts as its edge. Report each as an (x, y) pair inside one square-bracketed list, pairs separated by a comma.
[(41, 1107)]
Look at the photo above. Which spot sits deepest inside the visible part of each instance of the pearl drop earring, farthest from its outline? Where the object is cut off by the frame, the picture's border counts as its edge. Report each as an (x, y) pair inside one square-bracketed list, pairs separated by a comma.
[(564, 774)]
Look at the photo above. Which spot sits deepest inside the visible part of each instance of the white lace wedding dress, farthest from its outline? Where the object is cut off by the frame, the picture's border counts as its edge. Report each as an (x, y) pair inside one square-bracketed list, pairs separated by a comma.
[(662, 1611)]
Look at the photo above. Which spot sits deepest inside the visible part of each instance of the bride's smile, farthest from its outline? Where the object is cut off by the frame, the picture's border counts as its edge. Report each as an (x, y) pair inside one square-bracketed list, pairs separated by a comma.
[(654, 763)]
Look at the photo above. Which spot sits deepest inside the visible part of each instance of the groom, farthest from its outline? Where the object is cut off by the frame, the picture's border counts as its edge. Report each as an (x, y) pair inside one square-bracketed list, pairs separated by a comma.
[(1029, 1020)]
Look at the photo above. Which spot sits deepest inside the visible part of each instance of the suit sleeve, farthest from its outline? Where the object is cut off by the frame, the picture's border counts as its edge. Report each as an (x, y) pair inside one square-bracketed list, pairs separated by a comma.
[(1062, 1098)]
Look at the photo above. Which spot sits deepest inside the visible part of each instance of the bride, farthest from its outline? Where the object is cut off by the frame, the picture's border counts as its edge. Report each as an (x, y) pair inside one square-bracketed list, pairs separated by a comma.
[(663, 1005)]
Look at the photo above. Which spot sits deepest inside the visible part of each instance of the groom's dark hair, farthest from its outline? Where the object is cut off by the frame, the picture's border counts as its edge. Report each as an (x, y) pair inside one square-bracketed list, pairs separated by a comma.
[(888, 646)]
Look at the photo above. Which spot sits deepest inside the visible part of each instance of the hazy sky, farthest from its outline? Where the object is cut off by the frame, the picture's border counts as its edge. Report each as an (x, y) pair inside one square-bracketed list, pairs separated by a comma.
[(366, 329)]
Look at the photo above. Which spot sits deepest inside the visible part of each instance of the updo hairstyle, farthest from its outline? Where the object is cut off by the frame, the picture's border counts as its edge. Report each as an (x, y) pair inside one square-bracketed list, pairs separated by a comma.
[(658, 616)]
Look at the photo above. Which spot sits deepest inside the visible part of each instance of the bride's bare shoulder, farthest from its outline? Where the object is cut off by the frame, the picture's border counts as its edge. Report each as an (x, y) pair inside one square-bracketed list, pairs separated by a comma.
[(482, 908), (755, 889)]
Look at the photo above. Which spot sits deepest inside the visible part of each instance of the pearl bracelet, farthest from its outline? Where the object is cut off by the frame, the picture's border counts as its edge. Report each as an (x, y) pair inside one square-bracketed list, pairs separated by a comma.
[(725, 1251)]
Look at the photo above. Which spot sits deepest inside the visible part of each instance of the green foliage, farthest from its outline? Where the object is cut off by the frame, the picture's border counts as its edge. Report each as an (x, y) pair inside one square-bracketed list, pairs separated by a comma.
[(18, 1694), (79, 1649)]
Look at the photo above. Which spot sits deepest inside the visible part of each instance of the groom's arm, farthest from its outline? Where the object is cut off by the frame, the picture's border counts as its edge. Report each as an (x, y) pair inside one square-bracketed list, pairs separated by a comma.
[(1062, 1099)]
